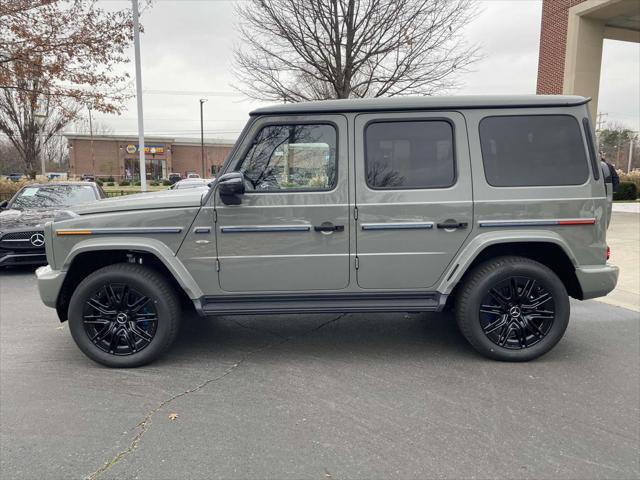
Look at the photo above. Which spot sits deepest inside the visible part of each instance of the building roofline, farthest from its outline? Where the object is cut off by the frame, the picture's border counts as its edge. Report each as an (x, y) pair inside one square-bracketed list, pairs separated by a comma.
[(152, 139), (424, 103)]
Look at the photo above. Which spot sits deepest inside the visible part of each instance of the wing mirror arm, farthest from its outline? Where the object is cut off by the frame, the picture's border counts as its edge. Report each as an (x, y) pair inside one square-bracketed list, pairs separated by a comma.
[(4, 204), (231, 187)]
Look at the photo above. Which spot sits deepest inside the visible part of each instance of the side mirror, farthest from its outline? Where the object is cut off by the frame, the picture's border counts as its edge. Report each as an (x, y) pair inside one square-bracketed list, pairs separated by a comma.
[(3, 204), (231, 186)]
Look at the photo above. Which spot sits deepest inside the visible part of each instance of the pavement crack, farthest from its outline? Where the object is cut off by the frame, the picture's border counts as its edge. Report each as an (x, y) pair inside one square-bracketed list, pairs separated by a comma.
[(145, 423)]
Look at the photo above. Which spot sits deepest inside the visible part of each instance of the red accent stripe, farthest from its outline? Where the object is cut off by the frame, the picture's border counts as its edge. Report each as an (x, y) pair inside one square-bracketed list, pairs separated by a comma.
[(586, 221)]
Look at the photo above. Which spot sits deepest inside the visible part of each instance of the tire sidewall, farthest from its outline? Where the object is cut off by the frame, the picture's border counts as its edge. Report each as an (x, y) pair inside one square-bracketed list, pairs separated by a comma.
[(93, 284), (548, 280)]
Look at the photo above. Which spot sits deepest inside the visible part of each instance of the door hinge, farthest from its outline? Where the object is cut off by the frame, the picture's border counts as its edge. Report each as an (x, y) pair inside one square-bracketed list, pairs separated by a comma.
[(355, 213), (215, 216), (357, 263), (217, 265)]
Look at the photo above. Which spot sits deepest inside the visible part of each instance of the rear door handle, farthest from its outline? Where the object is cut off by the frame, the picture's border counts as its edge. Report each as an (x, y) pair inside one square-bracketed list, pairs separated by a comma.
[(452, 225), (329, 228)]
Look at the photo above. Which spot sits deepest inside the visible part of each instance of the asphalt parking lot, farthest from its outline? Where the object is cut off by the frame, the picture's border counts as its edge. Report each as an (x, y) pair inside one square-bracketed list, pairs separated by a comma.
[(355, 396)]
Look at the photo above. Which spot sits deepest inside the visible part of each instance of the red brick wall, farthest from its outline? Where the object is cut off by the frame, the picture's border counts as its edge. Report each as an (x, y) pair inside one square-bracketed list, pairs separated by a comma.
[(188, 158), (553, 41)]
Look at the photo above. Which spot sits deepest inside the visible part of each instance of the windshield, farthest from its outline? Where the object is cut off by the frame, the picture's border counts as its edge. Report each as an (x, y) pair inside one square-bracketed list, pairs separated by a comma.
[(53, 196)]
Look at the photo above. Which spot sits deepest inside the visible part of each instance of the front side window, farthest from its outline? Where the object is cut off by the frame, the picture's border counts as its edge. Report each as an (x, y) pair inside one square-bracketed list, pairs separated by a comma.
[(292, 157), (409, 154), (534, 150)]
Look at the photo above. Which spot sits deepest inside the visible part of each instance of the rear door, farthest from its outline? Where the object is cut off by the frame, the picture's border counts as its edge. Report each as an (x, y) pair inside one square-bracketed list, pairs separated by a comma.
[(413, 196), (291, 230)]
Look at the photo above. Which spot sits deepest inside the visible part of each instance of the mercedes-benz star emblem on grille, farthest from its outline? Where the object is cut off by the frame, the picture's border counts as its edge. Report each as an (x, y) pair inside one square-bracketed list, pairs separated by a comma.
[(37, 239)]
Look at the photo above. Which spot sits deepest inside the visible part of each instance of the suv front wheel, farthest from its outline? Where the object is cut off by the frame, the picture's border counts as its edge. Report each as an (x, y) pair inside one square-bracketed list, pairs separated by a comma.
[(512, 309), (124, 315)]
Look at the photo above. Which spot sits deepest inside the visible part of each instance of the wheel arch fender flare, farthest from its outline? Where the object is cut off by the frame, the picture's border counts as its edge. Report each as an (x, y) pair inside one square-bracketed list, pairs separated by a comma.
[(478, 244), (136, 244)]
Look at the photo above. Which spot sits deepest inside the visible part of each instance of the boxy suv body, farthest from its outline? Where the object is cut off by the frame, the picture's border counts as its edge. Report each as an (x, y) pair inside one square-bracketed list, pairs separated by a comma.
[(495, 206)]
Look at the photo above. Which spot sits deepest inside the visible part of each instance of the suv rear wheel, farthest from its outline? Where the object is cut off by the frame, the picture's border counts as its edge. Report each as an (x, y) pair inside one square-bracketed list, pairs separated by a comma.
[(512, 309), (124, 315)]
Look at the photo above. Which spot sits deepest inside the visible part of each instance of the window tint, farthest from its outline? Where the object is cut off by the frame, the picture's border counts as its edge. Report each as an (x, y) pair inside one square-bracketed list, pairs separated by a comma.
[(540, 150), (292, 157), (409, 154)]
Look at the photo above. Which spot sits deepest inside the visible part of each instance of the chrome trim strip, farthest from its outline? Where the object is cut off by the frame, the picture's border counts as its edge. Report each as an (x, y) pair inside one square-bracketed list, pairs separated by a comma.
[(265, 228), (538, 223), (16, 240), (121, 231), (398, 226), (202, 230)]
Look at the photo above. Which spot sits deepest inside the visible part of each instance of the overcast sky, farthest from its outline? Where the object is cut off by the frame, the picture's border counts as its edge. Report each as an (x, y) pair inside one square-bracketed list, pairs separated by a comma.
[(187, 53)]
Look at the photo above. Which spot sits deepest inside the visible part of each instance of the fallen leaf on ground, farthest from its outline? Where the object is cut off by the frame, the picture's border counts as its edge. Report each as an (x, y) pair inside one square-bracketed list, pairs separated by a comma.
[(173, 416)]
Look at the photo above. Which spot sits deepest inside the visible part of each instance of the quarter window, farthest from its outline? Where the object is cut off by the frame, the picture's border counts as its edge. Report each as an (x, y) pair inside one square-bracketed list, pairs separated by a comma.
[(292, 157), (536, 150), (409, 154)]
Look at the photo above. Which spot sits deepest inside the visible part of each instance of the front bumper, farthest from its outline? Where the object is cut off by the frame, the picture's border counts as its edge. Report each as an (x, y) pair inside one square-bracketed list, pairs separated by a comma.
[(8, 259), (597, 280), (49, 284)]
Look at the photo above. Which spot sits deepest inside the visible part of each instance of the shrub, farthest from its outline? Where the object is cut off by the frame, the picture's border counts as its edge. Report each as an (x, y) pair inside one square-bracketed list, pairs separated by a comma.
[(154, 184), (109, 184), (633, 177), (125, 183), (110, 179), (166, 183), (626, 191), (99, 182), (137, 184)]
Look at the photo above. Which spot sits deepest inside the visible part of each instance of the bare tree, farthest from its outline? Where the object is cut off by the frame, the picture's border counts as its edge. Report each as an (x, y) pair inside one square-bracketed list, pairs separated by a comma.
[(55, 57), (297, 50)]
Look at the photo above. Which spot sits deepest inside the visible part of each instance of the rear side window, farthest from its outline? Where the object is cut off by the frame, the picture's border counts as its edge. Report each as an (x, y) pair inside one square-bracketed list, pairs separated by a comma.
[(409, 154), (536, 150)]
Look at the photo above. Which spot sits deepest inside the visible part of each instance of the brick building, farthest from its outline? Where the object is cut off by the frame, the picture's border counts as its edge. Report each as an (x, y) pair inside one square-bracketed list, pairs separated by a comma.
[(117, 156), (571, 38)]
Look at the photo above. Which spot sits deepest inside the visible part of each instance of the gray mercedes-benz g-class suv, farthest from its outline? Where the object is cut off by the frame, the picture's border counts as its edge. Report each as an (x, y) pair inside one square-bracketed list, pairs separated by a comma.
[(495, 206)]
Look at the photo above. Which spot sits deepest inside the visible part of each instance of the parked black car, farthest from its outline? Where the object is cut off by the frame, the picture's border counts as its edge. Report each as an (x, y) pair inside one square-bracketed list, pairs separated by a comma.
[(23, 217)]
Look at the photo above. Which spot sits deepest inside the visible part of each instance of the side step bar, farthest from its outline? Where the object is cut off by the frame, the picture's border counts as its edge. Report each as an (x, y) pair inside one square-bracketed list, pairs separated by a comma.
[(320, 303)]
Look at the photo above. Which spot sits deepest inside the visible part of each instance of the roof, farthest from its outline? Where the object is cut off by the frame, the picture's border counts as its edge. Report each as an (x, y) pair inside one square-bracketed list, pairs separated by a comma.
[(153, 139), (424, 103)]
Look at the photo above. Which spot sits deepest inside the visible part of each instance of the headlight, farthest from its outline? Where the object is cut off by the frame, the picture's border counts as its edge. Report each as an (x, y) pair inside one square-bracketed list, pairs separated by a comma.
[(64, 215)]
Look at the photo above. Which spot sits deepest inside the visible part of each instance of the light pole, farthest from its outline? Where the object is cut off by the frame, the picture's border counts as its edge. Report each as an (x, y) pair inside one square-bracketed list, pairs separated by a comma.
[(39, 119), (202, 100), (136, 44), (93, 157)]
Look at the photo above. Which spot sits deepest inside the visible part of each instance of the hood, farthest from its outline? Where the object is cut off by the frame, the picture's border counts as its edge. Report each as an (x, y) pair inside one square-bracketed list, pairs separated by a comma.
[(145, 201), (22, 219)]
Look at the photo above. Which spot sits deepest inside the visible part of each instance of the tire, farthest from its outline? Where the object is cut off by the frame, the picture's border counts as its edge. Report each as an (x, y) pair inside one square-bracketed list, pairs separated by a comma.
[(486, 316), (124, 315)]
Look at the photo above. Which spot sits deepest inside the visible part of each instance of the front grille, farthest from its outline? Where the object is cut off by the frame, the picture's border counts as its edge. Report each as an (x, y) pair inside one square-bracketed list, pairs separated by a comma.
[(18, 236), (20, 241)]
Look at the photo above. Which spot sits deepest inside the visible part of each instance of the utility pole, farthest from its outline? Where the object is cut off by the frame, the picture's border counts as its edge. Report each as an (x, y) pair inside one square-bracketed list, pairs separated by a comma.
[(600, 121), (202, 100), (136, 44), (631, 142), (93, 157)]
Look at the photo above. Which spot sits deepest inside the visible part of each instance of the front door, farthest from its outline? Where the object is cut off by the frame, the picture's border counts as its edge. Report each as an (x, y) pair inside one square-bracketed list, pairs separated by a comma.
[(413, 197), (291, 230)]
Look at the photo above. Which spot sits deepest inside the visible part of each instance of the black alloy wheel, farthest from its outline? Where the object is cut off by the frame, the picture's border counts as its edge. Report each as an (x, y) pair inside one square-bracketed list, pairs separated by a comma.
[(124, 315), (518, 312), (120, 320), (512, 308)]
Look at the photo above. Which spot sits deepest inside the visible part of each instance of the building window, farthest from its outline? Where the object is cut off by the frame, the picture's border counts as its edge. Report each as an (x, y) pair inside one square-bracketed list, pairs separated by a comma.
[(409, 154), (533, 150)]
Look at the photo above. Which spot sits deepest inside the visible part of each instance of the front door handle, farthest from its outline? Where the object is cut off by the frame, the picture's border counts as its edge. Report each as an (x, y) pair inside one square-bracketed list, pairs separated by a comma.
[(329, 228), (452, 225)]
